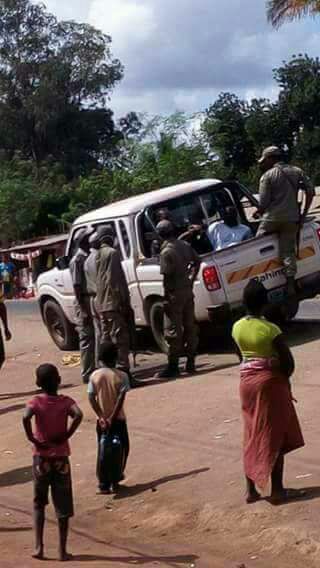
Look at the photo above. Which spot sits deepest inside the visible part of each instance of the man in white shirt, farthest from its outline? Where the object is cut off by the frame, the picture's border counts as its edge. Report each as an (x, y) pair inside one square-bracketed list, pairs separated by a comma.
[(228, 231)]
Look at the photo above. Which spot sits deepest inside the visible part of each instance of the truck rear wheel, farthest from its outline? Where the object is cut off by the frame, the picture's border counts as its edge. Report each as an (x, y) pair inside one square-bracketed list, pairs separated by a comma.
[(59, 328), (156, 324)]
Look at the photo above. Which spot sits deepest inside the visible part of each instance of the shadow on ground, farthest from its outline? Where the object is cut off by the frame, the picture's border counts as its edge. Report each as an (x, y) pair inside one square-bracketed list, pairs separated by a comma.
[(12, 408), (302, 332), (10, 395), (301, 494), (16, 476), (131, 491), (15, 529), (181, 559)]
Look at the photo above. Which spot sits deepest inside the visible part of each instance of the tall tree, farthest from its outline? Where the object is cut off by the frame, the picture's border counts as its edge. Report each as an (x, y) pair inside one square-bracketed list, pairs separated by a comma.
[(280, 11), (55, 79), (225, 128)]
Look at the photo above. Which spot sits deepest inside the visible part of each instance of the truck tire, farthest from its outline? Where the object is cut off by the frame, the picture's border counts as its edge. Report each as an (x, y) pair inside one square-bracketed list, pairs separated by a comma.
[(59, 328), (156, 324)]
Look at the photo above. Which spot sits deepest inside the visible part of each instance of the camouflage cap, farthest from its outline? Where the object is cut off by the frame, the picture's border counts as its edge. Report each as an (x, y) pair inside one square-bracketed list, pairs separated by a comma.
[(270, 152)]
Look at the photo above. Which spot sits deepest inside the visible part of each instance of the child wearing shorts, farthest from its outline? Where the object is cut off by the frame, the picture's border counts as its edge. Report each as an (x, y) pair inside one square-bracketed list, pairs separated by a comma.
[(57, 417)]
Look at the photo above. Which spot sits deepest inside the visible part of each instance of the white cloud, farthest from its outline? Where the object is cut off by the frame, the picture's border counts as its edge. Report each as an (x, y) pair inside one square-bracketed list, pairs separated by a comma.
[(127, 21), (180, 54), (69, 9)]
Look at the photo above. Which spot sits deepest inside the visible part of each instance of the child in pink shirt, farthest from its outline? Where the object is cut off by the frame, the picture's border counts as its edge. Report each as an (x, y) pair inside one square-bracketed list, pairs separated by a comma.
[(51, 451)]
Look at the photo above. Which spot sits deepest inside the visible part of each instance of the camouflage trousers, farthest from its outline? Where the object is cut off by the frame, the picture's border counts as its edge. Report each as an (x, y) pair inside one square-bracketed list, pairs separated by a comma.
[(180, 326), (287, 234)]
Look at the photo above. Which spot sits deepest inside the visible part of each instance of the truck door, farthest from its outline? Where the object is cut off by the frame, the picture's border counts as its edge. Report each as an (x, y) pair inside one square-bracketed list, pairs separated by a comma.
[(126, 242)]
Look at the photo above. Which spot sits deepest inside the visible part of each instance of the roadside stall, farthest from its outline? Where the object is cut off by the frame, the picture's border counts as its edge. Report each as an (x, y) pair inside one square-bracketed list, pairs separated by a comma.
[(32, 259)]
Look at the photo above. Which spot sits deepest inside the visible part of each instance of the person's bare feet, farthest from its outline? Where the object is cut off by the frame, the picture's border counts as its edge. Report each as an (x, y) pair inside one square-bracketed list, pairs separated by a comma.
[(65, 556), (253, 497), (38, 553)]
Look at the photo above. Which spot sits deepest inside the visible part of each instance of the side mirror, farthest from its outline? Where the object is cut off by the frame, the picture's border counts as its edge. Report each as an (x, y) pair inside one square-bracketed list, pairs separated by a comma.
[(62, 263)]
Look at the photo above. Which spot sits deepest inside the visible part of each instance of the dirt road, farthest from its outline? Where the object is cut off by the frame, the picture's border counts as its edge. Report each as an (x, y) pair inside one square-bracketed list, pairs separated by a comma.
[(184, 503)]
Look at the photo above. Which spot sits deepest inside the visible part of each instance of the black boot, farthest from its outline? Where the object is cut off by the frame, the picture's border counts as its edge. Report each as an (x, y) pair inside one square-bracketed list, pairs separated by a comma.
[(291, 287), (171, 371), (191, 366)]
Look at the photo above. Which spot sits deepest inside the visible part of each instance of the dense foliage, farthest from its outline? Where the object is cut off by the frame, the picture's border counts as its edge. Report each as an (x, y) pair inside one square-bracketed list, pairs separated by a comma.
[(62, 152)]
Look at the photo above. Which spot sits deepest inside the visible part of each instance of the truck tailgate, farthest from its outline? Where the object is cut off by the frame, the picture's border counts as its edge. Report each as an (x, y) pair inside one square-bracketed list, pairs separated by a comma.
[(258, 259)]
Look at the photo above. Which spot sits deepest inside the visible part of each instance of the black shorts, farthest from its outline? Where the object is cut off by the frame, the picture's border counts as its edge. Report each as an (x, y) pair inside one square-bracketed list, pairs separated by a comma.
[(54, 473)]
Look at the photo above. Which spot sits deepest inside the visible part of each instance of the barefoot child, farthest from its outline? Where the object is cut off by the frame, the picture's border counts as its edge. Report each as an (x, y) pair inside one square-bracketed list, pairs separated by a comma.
[(107, 391), (51, 450)]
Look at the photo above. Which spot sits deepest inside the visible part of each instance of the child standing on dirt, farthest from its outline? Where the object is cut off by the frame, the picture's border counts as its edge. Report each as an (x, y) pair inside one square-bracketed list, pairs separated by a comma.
[(51, 467), (107, 391)]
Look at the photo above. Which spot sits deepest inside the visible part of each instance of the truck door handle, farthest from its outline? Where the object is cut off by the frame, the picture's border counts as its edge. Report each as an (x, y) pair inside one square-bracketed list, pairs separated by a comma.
[(269, 248)]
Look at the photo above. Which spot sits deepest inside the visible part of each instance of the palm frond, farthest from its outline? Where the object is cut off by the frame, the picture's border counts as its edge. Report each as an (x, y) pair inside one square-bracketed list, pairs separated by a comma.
[(280, 11)]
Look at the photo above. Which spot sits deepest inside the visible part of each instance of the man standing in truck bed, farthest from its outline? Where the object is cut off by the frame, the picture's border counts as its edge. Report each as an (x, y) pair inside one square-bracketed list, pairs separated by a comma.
[(179, 264), (279, 207)]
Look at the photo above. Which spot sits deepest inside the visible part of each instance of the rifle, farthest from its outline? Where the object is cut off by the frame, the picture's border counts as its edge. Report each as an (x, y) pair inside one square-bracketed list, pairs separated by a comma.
[(300, 225), (132, 334)]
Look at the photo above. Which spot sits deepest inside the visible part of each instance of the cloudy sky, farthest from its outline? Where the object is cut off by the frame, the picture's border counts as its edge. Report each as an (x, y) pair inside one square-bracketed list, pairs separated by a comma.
[(179, 54)]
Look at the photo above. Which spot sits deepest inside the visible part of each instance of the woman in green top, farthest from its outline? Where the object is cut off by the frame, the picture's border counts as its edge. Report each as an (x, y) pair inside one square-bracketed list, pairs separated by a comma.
[(271, 426)]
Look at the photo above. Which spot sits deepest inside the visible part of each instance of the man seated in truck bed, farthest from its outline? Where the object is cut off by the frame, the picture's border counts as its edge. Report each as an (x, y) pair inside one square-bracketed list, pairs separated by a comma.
[(228, 231)]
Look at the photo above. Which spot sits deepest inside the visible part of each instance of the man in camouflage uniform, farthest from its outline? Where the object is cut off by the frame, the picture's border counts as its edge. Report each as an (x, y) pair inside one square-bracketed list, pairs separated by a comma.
[(84, 322), (90, 270), (179, 264), (113, 297), (279, 208)]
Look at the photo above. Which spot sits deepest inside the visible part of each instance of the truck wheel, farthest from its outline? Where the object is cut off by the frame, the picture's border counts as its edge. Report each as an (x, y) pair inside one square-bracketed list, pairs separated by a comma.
[(156, 323), (60, 329)]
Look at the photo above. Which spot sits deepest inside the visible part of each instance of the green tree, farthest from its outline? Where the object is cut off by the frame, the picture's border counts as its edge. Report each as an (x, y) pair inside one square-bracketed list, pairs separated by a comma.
[(225, 128), (162, 152), (55, 78)]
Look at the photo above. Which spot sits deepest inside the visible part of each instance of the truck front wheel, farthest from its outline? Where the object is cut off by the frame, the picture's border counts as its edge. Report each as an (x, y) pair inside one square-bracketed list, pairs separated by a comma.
[(156, 324), (59, 328)]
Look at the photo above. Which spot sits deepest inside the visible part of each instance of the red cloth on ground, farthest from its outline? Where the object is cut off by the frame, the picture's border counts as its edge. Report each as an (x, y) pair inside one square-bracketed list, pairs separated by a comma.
[(271, 425)]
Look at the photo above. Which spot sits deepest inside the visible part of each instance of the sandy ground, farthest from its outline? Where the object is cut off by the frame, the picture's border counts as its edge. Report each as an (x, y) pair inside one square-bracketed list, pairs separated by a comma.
[(184, 500)]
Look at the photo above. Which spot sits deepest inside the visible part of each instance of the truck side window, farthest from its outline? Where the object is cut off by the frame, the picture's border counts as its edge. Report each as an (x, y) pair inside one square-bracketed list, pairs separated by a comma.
[(73, 244), (125, 238)]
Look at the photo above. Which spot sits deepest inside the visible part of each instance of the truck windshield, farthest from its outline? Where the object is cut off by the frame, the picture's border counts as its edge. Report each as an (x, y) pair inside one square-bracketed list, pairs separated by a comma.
[(191, 215)]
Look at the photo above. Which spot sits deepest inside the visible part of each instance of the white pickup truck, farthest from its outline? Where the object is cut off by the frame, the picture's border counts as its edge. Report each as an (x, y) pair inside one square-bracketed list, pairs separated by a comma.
[(221, 279)]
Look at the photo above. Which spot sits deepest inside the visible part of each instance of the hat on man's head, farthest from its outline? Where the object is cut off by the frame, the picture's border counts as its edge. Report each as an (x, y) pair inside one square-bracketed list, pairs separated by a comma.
[(82, 235), (105, 232), (165, 229), (270, 152)]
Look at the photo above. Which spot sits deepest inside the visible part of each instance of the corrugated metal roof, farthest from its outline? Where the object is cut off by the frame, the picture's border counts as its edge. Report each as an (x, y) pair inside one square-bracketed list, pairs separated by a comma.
[(41, 243)]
